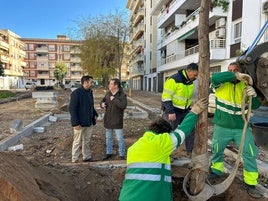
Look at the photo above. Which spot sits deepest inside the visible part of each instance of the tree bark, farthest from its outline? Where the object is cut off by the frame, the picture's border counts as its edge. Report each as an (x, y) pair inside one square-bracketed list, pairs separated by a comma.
[(198, 176)]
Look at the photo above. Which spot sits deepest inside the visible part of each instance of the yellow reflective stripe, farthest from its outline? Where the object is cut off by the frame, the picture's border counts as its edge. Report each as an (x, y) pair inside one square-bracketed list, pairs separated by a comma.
[(180, 98), (250, 178), (218, 166), (147, 177), (229, 111), (251, 150), (149, 165), (168, 92)]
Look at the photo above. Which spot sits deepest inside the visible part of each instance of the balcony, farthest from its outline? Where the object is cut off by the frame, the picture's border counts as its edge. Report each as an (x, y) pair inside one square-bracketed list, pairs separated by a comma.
[(136, 71), (76, 76), (190, 23), (217, 52), (138, 17), (138, 31), (76, 68), (23, 64), (42, 58), (43, 76), (76, 59), (4, 45), (139, 58), (4, 59), (22, 53)]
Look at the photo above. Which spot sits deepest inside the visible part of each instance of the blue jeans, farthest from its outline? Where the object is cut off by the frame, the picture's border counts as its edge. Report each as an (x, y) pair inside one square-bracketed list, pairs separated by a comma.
[(120, 139)]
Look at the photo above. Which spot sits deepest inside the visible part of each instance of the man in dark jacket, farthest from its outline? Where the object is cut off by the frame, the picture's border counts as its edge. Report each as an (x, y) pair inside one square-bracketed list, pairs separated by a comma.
[(114, 102), (83, 117), (177, 99)]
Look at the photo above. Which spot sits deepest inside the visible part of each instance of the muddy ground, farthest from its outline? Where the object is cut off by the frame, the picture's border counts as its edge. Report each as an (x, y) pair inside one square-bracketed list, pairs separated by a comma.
[(43, 169)]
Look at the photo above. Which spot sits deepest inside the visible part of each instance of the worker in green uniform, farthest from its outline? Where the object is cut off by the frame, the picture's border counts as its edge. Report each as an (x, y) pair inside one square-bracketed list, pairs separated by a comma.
[(148, 174), (228, 123)]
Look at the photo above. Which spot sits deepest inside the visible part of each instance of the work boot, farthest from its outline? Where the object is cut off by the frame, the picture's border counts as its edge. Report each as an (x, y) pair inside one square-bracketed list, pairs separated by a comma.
[(252, 191), (107, 157)]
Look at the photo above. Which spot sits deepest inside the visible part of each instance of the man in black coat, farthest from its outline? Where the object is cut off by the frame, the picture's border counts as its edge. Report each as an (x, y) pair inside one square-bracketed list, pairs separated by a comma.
[(83, 117)]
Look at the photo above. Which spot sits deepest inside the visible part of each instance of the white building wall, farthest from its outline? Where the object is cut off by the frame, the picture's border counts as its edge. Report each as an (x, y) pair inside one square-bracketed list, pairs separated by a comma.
[(251, 22)]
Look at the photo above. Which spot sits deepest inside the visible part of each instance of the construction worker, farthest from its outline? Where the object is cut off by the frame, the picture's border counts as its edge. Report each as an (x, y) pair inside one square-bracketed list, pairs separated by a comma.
[(177, 99), (148, 174), (228, 123)]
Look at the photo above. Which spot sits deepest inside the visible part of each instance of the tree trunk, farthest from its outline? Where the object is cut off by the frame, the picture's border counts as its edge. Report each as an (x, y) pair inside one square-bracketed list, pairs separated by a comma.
[(198, 176)]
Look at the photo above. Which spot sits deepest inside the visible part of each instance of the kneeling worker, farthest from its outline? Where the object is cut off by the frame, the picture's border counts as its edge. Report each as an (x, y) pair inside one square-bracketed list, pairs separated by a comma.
[(148, 174)]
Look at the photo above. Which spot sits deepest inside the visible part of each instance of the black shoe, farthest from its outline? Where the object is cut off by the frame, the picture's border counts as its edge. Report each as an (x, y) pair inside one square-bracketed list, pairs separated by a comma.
[(87, 160), (107, 157), (252, 191)]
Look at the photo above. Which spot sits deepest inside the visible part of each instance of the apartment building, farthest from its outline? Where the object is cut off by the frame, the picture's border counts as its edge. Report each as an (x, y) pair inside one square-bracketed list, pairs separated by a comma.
[(143, 49), (232, 29), (42, 56), (12, 56)]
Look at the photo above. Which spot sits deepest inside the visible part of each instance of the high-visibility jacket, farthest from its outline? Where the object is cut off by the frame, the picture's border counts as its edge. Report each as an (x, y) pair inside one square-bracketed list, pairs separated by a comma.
[(177, 93), (229, 95), (148, 174)]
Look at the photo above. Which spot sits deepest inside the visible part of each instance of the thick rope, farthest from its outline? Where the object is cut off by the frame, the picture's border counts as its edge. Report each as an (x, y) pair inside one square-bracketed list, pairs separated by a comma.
[(211, 190)]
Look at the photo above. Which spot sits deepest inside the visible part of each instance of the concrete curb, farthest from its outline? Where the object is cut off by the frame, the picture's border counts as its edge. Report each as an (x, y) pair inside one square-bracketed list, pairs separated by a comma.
[(27, 131)]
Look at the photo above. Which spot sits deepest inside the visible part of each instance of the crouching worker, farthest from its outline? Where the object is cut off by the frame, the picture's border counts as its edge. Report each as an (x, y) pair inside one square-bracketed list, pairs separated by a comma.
[(148, 174)]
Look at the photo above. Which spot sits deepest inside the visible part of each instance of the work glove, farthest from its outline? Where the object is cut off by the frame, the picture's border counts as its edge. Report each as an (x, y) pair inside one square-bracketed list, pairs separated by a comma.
[(244, 77), (251, 91), (199, 106)]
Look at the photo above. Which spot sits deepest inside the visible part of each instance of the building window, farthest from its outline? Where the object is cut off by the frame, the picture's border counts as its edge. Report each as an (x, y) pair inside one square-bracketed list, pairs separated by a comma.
[(66, 56), (51, 47), (31, 47), (66, 48), (52, 56), (31, 55), (32, 64), (237, 32), (32, 73)]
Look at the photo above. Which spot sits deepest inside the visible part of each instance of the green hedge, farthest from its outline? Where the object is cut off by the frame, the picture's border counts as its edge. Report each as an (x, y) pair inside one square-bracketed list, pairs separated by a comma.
[(6, 94)]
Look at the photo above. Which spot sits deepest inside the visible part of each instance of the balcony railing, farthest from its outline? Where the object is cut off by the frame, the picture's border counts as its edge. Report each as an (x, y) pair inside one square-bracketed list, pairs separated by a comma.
[(214, 44)]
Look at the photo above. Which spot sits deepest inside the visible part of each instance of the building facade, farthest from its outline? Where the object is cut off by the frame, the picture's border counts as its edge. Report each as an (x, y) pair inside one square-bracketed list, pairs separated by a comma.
[(233, 26), (42, 56), (12, 56)]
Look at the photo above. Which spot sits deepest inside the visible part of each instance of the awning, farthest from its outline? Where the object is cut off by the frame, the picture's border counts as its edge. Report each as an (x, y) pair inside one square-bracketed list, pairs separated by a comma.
[(186, 35)]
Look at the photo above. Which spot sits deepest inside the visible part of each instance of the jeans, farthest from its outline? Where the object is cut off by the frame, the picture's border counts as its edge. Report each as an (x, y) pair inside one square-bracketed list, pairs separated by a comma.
[(120, 140)]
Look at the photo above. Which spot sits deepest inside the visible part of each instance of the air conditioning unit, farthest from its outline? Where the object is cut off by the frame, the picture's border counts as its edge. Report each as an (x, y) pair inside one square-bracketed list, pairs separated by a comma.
[(220, 33), (221, 22), (265, 7)]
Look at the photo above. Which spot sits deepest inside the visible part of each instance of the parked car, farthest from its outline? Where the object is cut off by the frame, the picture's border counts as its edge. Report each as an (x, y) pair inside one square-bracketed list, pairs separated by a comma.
[(30, 85), (72, 84)]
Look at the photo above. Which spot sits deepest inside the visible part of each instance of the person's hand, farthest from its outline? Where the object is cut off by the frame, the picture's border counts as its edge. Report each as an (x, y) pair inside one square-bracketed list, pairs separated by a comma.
[(103, 104), (251, 91), (244, 77), (77, 127), (172, 117), (199, 106)]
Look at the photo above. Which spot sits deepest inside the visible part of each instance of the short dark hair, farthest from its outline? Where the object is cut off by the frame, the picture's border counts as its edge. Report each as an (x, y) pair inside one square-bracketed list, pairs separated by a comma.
[(160, 126), (116, 82), (192, 66), (86, 78)]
